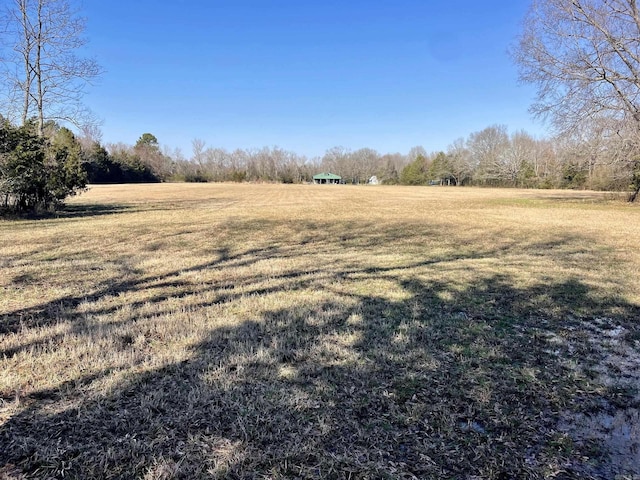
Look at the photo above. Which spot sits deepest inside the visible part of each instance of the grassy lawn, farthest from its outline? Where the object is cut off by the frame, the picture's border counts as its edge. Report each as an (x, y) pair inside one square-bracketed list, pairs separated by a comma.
[(268, 331)]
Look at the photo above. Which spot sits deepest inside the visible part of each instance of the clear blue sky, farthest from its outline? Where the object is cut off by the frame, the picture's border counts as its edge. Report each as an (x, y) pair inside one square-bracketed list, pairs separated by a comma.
[(306, 75)]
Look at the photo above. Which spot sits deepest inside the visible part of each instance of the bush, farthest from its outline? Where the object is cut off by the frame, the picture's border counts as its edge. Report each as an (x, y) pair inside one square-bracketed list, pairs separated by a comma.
[(36, 173), (238, 176), (197, 177), (573, 176)]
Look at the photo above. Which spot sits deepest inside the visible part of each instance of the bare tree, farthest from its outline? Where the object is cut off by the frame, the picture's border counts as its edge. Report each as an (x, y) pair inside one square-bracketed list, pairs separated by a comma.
[(488, 148), (336, 160), (517, 165), (460, 162), (198, 157), (543, 160), (584, 58), (41, 62), (364, 162), (415, 152), (218, 162), (90, 134)]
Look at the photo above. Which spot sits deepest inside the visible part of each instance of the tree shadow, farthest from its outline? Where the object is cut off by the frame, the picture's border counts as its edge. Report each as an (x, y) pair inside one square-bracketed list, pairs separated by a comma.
[(51, 312), (441, 383), (76, 210), (84, 210)]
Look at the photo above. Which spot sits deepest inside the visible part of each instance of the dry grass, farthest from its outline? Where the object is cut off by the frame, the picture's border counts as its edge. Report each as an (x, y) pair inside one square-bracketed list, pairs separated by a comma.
[(243, 331)]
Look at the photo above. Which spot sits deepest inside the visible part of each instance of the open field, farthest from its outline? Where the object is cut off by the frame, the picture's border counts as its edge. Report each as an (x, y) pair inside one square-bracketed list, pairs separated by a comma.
[(269, 331)]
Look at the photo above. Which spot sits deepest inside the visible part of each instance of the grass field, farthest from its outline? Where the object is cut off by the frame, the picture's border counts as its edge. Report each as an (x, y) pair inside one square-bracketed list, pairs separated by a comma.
[(268, 331)]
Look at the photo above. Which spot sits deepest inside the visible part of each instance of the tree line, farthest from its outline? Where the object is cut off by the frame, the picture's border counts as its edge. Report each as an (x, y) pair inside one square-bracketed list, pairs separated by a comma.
[(40, 167), (489, 157)]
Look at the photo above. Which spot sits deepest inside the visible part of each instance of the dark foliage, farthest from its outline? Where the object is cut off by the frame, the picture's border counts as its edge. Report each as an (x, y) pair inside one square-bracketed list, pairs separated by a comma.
[(37, 173), (101, 167)]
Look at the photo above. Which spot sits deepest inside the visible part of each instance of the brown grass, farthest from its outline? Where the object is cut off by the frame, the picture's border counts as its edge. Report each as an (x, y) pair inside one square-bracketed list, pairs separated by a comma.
[(261, 331)]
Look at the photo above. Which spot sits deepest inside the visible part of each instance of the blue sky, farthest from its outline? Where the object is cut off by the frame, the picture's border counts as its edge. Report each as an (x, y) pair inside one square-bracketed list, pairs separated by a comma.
[(306, 75)]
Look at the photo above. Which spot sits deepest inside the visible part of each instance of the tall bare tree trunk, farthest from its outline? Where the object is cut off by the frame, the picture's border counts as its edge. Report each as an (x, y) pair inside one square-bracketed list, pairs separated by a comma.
[(38, 71), (26, 55), (635, 182)]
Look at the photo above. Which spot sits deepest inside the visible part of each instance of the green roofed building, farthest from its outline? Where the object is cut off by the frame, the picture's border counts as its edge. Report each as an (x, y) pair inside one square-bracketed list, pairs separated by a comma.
[(323, 178)]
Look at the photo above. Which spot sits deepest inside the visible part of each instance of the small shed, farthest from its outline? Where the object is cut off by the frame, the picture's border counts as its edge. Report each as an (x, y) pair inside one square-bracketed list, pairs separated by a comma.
[(324, 178)]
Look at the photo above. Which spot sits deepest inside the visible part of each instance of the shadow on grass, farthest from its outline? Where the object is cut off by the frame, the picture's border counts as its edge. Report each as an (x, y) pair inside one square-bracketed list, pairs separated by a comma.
[(319, 239), (422, 388), (441, 383), (83, 210), (582, 197), (70, 211)]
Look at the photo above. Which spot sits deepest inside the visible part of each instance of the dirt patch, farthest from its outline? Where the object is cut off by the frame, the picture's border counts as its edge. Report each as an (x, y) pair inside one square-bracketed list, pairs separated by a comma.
[(612, 430)]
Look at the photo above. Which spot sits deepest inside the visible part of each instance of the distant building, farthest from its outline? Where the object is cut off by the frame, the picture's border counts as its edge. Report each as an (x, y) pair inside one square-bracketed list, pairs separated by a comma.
[(324, 178)]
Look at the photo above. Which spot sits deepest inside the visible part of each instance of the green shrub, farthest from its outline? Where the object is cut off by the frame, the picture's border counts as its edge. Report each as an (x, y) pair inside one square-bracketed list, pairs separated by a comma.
[(37, 173)]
